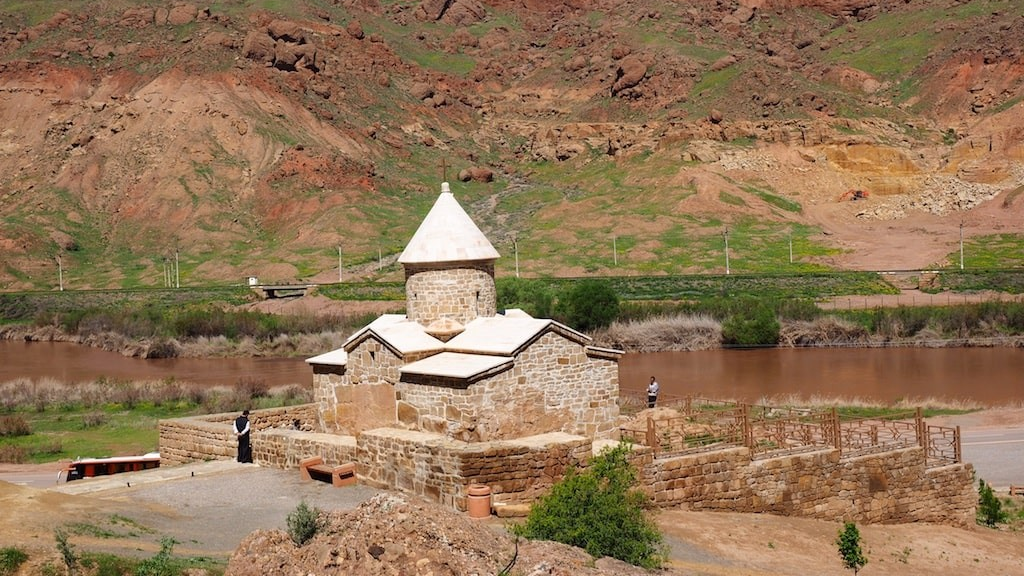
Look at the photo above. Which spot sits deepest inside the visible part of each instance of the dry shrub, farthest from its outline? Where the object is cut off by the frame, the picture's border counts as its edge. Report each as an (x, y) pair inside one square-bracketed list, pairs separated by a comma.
[(197, 395), (13, 454), (296, 394), (219, 401), (93, 419), (161, 348), (42, 395), (14, 426), (126, 393), (92, 395), (252, 387), (13, 393), (166, 392), (824, 331), (663, 333)]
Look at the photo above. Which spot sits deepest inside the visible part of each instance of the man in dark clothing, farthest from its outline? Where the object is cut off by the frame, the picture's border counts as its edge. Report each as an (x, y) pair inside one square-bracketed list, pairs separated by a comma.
[(241, 428)]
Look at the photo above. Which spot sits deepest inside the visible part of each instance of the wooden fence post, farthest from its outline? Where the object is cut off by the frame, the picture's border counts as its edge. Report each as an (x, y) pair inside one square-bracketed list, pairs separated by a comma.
[(957, 457), (922, 432), (837, 436), (748, 429), (652, 435)]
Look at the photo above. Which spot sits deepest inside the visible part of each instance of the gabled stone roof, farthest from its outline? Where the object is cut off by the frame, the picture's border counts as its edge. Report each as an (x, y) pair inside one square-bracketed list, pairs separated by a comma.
[(401, 335), (507, 336), (447, 234), (485, 345), (458, 366)]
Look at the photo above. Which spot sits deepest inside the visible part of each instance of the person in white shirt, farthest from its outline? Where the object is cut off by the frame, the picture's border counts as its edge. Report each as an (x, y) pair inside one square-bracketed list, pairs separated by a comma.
[(652, 392)]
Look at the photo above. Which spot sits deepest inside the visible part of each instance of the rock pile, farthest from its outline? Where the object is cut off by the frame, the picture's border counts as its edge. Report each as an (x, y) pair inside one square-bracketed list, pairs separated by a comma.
[(390, 534)]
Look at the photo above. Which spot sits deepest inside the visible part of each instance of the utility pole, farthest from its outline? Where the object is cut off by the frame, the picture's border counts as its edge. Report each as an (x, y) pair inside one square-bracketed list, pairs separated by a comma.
[(339, 263), (515, 246), (380, 259), (615, 251), (177, 274), (725, 234), (961, 244), (60, 273)]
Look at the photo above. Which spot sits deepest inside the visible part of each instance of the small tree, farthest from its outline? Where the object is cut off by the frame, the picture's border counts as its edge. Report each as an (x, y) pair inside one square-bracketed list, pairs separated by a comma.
[(599, 510), (531, 295), (849, 548), (990, 509), (751, 323), (588, 304), (66, 549), (303, 523)]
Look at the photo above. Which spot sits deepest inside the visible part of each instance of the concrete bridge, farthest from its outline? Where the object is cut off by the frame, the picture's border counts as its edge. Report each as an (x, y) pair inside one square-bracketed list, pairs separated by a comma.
[(269, 291)]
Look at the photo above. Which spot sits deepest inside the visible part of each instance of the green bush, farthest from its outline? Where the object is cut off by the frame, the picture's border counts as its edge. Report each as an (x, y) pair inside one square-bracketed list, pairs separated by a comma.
[(598, 509), (588, 304), (751, 324), (162, 564), (535, 297), (990, 509), (10, 559), (303, 523), (849, 548)]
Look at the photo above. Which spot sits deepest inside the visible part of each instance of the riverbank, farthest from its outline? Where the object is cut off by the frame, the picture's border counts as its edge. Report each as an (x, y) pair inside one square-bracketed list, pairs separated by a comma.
[(833, 327)]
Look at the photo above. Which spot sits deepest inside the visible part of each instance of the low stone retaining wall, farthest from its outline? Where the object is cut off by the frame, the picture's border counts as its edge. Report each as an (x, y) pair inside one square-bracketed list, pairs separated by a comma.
[(888, 487), (210, 437), (439, 468), (284, 448)]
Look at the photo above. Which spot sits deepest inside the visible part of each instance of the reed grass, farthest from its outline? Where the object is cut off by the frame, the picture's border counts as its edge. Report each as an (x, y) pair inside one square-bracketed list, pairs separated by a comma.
[(663, 333), (111, 417)]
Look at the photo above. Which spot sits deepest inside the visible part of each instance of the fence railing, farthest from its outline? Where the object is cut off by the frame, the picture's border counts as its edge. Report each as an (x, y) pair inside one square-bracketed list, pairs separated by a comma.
[(704, 425)]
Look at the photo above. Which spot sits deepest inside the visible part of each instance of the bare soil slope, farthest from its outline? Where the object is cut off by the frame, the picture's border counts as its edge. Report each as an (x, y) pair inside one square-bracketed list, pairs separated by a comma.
[(251, 142)]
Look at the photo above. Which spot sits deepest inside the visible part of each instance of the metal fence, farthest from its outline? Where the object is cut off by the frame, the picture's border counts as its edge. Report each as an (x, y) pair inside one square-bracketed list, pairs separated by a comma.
[(703, 425)]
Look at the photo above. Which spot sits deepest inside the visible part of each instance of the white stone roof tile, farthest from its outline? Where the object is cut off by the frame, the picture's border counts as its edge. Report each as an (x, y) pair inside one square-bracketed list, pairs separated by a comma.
[(456, 365), (408, 337), (497, 334), (333, 358), (447, 234)]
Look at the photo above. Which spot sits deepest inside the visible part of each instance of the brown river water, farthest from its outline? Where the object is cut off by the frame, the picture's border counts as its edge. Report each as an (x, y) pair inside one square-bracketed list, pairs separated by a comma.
[(990, 376)]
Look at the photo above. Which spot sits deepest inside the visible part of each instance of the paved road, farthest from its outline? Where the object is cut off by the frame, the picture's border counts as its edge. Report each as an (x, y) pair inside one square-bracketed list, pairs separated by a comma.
[(207, 507), (997, 455)]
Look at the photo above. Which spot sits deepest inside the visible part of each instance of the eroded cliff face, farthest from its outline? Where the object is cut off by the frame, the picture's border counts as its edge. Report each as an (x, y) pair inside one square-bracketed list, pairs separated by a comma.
[(257, 143)]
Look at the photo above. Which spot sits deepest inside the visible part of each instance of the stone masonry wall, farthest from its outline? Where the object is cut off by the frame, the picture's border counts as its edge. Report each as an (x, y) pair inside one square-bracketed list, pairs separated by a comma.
[(210, 437), (284, 449), (461, 294), (887, 487), (362, 395), (554, 386), (586, 387), (439, 468)]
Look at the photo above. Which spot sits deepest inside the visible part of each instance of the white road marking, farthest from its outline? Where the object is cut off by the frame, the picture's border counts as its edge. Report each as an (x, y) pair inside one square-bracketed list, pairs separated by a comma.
[(993, 442)]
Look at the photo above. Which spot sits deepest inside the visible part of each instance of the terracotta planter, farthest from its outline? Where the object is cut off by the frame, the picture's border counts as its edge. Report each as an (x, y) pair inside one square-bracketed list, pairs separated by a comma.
[(478, 499)]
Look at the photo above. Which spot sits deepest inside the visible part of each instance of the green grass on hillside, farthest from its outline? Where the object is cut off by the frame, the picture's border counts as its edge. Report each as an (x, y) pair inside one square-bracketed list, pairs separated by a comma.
[(996, 251)]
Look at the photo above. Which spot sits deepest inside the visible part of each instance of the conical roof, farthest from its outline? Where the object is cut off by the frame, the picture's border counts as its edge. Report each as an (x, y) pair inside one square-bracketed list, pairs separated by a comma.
[(447, 234)]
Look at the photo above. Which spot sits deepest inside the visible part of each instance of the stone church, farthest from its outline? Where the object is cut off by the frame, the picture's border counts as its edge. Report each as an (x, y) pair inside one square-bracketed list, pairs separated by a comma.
[(454, 365)]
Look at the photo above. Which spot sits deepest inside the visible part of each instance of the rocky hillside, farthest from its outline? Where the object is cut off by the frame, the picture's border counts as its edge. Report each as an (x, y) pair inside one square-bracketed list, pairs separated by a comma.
[(267, 138)]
